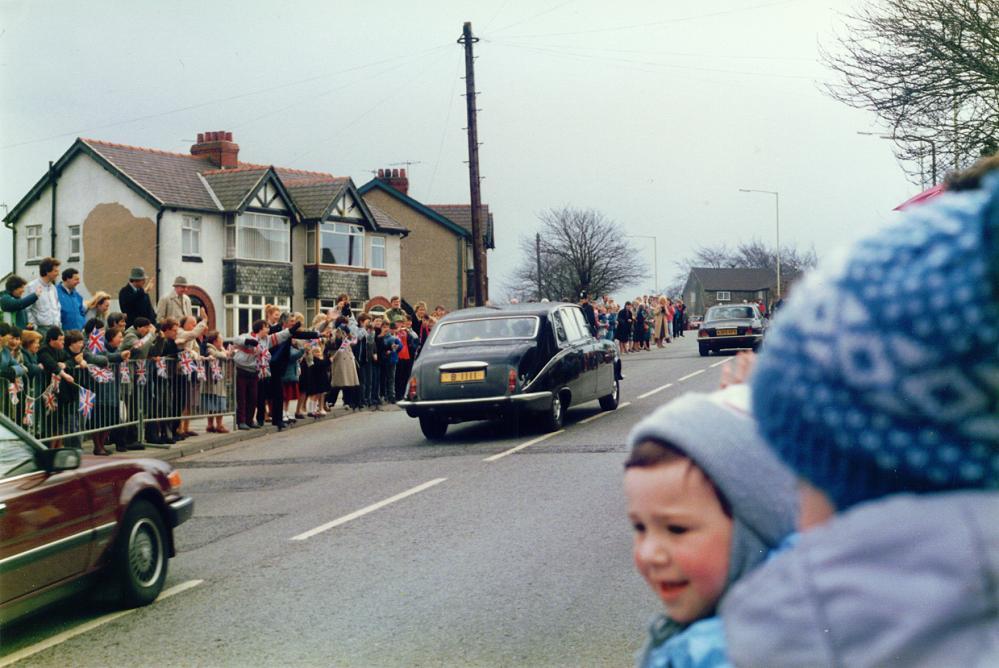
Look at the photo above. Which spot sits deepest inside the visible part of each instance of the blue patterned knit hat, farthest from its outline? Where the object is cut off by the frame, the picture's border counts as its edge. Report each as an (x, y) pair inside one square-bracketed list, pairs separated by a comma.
[(881, 374)]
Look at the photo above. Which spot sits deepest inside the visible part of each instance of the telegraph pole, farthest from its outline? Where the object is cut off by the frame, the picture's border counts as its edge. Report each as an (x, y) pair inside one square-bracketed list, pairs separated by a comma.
[(537, 255), (478, 252)]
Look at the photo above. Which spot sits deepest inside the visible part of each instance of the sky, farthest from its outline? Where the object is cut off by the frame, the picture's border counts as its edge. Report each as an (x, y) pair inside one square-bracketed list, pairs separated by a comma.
[(655, 113)]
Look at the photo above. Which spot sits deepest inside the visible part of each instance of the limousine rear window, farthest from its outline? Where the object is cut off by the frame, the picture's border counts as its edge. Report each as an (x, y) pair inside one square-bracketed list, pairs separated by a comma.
[(485, 329), (730, 312)]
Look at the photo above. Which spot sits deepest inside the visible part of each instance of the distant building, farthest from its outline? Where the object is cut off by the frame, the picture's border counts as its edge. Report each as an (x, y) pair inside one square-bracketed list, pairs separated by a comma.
[(707, 286), (243, 234), (437, 251)]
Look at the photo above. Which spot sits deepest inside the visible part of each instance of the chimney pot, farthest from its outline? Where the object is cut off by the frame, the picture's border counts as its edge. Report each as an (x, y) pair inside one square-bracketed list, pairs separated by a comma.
[(402, 173), (228, 136), (395, 173), (201, 137)]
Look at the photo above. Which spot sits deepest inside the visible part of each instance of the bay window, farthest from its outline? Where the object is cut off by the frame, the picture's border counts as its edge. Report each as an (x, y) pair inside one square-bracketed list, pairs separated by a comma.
[(258, 236), (341, 243)]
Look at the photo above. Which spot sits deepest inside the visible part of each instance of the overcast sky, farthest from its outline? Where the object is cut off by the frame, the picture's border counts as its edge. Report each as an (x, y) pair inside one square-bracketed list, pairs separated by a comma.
[(654, 112)]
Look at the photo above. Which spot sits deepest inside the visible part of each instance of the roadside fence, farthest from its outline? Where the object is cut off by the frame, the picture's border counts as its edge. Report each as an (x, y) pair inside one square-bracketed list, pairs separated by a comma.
[(124, 401)]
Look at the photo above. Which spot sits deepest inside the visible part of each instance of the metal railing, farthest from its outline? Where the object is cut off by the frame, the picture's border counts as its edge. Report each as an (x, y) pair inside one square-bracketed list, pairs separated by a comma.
[(126, 401)]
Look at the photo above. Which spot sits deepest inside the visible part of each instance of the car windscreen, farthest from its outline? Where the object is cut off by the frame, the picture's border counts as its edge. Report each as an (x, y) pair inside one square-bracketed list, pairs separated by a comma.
[(14, 453), (485, 329), (729, 312)]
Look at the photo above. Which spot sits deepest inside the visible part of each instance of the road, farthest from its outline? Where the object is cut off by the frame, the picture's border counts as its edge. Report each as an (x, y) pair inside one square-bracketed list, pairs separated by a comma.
[(354, 542)]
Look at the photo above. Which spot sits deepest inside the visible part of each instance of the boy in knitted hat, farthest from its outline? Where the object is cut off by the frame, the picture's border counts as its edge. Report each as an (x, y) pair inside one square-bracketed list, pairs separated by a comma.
[(893, 430), (708, 502)]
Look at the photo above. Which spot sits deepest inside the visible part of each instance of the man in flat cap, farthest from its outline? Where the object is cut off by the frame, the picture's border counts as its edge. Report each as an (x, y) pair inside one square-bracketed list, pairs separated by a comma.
[(177, 304)]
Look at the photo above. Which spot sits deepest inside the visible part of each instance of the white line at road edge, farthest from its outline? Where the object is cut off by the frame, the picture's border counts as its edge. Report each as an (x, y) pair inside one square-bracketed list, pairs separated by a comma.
[(368, 509), (690, 375), (602, 413), (722, 362), (658, 389), (523, 445), (88, 626)]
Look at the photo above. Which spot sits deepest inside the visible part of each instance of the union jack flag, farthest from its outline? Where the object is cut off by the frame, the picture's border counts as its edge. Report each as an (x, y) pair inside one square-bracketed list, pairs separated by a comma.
[(186, 363), (29, 412), (86, 402), (140, 373), (101, 374), (161, 368), (201, 370), (54, 385), (95, 342), (13, 389), (50, 399), (216, 369), (126, 377)]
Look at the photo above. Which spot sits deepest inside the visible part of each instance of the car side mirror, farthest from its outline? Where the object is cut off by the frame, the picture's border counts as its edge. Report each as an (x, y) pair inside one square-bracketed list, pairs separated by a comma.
[(60, 459)]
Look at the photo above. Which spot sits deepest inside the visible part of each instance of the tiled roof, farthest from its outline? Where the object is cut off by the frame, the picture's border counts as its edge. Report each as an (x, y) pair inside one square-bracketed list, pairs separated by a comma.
[(172, 178), (736, 278), (385, 221), (462, 214), (232, 186), (312, 194), (176, 179)]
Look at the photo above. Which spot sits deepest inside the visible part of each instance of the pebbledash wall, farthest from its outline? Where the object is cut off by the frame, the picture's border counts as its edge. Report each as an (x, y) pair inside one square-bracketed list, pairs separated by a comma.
[(117, 231)]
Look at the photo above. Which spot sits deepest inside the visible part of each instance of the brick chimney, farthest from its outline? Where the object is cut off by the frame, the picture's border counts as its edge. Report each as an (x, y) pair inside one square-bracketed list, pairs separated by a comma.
[(396, 178), (219, 148)]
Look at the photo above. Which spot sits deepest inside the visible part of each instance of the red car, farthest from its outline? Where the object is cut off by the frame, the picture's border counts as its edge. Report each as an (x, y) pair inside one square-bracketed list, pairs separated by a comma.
[(67, 518)]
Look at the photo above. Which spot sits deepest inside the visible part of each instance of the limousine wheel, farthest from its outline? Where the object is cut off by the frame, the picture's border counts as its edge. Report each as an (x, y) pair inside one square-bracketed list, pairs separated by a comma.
[(139, 564), (552, 419), (433, 428), (610, 402), (705, 351)]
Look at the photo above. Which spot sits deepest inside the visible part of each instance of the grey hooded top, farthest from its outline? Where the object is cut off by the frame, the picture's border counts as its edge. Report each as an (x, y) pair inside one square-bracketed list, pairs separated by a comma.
[(902, 581)]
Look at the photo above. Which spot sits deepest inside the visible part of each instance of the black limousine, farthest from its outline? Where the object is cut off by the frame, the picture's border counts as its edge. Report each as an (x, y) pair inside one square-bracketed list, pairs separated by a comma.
[(498, 362)]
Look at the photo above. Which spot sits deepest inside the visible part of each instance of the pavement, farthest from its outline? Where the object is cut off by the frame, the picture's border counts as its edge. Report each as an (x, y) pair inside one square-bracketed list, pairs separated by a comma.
[(206, 440)]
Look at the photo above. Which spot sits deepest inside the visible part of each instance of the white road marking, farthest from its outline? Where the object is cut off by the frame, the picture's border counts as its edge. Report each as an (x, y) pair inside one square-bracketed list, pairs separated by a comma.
[(603, 413), (523, 445), (658, 389), (722, 362), (690, 375), (368, 509), (89, 626)]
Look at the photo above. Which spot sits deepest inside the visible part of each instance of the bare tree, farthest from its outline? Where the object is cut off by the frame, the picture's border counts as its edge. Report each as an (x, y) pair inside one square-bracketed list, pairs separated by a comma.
[(929, 69), (753, 254), (580, 250)]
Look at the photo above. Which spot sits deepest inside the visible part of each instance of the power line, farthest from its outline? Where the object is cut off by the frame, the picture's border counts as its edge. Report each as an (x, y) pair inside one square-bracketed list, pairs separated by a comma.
[(207, 103), (682, 54), (447, 122), (655, 23), (568, 54), (534, 16)]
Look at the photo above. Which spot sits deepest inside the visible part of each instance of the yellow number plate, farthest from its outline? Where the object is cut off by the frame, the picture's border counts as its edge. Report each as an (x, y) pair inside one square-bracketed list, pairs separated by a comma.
[(462, 376), (727, 332)]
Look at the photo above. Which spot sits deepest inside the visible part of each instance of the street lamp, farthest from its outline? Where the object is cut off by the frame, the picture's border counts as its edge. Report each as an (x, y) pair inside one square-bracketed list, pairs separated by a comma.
[(777, 211), (655, 256), (933, 150)]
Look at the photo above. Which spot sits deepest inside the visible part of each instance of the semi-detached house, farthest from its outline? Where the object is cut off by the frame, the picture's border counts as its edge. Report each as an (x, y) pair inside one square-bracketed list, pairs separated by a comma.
[(243, 235)]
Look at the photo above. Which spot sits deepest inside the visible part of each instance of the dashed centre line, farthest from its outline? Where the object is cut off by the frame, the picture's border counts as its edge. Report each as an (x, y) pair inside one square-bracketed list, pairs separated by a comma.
[(89, 626), (690, 375), (722, 362), (658, 389), (523, 445), (367, 509)]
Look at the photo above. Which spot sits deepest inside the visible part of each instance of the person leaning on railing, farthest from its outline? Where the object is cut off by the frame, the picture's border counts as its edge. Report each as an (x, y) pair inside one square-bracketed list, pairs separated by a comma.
[(106, 412), (59, 360)]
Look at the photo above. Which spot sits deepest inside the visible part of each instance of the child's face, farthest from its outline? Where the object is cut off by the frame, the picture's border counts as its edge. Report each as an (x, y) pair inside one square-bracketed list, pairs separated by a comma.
[(33, 347), (14, 342), (75, 347), (682, 537)]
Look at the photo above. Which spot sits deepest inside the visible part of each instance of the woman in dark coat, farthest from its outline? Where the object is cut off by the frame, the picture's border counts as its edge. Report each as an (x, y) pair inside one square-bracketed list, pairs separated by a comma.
[(625, 319)]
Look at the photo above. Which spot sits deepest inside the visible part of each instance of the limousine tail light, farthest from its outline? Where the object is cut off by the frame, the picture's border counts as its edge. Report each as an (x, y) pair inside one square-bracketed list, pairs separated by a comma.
[(702, 332), (511, 385), (411, 392)]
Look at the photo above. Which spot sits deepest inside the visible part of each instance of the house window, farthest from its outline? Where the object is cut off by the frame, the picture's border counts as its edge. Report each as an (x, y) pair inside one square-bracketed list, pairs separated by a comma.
[(242, 310), (33, 234), (377, 252), (259, 236), (723, 296), (342, 243), (310, 245), (75, 244), (190, 236)]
